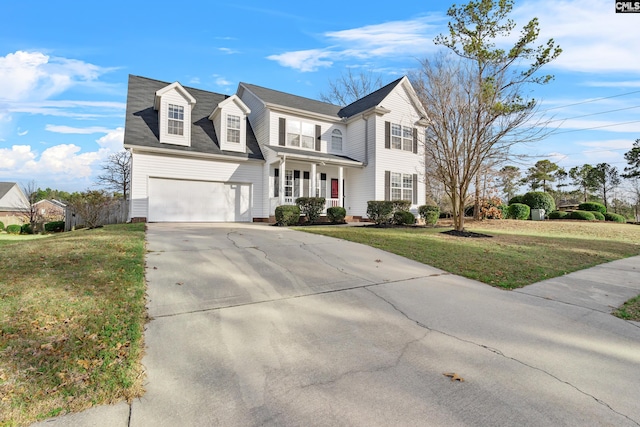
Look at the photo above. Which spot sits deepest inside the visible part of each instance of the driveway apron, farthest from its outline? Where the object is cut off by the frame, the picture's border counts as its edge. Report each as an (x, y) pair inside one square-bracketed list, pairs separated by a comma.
[(253, 325)]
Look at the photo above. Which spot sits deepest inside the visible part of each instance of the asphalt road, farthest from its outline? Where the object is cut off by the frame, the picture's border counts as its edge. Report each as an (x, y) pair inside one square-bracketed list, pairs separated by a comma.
[(254, 325)]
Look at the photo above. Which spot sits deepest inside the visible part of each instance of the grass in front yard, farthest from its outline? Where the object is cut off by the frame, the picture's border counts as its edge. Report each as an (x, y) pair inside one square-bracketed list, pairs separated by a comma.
[(71, 325), (6, 238), (518, 254)]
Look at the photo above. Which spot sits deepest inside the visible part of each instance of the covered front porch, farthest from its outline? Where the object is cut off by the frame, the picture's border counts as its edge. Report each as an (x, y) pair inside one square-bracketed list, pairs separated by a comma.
[(295, 174)]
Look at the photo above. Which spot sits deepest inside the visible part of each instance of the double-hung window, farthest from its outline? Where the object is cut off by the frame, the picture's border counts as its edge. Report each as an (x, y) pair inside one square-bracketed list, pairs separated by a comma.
[(233, 128), (401, 137), (300, 134), (401, 186), (176, 120), (336, 140)]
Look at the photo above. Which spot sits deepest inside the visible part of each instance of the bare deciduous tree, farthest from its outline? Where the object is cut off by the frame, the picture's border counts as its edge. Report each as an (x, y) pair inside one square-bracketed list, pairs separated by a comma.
[(350, 87), (116, 174), (475, 97)]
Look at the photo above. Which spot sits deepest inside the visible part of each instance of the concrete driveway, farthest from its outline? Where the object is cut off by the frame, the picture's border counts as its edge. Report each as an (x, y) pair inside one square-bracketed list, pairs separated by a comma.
[(255, 325)]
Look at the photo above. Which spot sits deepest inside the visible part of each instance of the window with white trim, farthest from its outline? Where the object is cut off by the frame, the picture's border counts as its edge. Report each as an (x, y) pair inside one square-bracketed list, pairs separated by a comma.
[(401, 137), (233, 128), (401, 186), (336, 140), (176, 120), (288, 183), (300, 134)]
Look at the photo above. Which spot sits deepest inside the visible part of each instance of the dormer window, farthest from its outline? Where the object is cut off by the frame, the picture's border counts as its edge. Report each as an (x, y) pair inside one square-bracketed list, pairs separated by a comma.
[(174, 105), (176, 120), (336, 140), (233, 128), (229, 119)]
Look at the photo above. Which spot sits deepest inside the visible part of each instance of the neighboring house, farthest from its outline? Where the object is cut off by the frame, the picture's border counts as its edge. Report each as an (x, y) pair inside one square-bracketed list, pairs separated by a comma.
[(14, 205), (203, 156), (50, 210)]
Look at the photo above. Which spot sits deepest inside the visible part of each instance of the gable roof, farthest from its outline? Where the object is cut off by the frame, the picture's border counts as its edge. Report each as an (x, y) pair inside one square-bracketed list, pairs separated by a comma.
[(369, 101), (15, 202), (275, 97), (142, 128), (5, 187)]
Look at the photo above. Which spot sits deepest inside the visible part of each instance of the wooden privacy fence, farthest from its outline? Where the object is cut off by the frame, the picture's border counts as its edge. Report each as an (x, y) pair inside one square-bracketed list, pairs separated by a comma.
[(116, 213)]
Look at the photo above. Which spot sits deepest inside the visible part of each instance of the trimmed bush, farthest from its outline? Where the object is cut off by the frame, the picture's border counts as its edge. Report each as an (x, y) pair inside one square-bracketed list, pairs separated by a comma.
[(519, 211), (429, 214), (401, 205), (582, 215), (1, 226), (54, 226), (13, 229), (517, 199), (404, 218), (26, 229), (592, 207), (558, 214), (287, 215), (336, 214), (608, 216), (539, 200), (311, 207), (379, 211), (599, 216)]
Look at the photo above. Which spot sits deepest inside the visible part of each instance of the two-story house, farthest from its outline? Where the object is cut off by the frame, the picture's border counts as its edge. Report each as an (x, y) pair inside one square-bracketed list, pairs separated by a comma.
[(203, 156)]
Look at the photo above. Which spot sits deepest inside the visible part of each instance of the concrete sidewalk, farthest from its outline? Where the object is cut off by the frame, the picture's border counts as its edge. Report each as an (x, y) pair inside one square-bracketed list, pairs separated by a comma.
[(351, 335)]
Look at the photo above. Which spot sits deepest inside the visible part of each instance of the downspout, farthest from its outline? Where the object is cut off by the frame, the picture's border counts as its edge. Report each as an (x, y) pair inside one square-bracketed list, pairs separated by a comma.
[(366, 140)]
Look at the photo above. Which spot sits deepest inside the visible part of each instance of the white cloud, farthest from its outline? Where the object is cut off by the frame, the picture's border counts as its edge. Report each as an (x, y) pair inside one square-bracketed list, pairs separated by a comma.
[(62, 165), (36, 76), (227, 50), (593, 37), (113, 141), (395, 39), (22, 133), (76, 130), (304, 60), (15, 157)]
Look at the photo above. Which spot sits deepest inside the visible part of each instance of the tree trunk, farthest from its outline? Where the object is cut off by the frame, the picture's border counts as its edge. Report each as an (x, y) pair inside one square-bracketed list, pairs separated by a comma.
[(476, 206)]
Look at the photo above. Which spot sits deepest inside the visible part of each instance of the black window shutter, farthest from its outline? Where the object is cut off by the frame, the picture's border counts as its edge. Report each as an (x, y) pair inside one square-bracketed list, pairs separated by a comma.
[(414, 190), (318, 138), (282, 131), (276, 182), (415, 141), (387, 134), (387, 184)]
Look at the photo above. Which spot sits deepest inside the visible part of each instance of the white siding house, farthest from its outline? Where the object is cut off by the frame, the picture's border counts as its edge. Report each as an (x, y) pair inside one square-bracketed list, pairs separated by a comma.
[(201, 156)]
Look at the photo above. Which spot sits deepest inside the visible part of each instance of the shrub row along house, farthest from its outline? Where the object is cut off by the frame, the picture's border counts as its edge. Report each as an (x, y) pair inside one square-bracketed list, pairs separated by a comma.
[(203, 156)]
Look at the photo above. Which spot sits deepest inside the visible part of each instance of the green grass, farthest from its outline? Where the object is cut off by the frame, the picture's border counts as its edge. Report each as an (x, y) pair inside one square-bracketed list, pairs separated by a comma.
[(518, 254), (6, 238), (72, 312)]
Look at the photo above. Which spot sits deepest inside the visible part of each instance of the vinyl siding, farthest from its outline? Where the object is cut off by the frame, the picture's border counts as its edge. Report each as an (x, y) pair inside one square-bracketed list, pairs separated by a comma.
[(162, 166), (394, 160), (175, 98)]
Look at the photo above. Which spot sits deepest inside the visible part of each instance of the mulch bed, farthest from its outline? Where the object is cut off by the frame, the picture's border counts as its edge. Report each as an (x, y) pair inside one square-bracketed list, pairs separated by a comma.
[(465, 234)]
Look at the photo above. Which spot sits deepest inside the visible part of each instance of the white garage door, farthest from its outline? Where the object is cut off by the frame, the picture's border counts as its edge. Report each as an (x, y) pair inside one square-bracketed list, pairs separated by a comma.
[(173, 200)]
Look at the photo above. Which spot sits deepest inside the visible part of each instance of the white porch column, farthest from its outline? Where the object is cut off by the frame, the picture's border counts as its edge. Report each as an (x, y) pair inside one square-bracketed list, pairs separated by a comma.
[(340, 186), (283, 165), (314, 188)]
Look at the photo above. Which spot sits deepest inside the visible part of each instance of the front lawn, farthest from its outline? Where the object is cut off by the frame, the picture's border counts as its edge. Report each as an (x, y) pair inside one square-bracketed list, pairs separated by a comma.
[(518, 254), (72, 312)]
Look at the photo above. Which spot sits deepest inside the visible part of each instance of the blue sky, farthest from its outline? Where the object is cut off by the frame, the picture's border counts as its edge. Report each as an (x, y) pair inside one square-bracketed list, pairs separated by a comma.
[(64, 68)]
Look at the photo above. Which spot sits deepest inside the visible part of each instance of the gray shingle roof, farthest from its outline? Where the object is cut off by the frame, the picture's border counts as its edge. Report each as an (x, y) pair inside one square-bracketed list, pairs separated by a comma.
[(284, 99), (141, 123), (314, 154), (369, 101), (5, 187)]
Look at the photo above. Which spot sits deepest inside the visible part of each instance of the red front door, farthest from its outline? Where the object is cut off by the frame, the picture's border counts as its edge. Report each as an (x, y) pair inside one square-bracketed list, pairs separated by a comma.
[(334, 188)]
